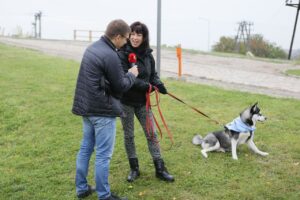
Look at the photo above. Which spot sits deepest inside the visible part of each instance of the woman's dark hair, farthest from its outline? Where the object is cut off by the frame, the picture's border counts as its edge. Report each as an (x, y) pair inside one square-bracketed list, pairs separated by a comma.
[(141, 28)]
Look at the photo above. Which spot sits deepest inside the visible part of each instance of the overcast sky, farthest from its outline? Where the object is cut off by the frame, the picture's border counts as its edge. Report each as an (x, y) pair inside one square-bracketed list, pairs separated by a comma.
[(195, 24)]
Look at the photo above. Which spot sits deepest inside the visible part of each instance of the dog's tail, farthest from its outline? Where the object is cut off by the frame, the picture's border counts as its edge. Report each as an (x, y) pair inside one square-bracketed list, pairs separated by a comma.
[(197, 140)]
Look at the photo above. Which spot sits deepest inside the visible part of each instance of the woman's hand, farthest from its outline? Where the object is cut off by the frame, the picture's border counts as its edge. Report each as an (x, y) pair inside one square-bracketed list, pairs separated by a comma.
[(162, 89)]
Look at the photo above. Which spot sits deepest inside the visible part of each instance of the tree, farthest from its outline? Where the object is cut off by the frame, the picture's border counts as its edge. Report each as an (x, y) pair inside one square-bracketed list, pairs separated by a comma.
[(226, 44), (257, 45)]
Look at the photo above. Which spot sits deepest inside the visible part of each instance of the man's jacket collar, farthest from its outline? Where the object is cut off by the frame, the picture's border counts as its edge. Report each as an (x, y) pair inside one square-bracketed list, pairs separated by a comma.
[(108, 42)]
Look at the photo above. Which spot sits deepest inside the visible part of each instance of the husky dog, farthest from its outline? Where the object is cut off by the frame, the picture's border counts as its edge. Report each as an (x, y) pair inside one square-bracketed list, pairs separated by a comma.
[(239, 131)]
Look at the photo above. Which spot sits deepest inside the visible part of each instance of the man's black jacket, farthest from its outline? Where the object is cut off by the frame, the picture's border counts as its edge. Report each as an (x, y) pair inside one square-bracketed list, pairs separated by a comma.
[(101, 68)]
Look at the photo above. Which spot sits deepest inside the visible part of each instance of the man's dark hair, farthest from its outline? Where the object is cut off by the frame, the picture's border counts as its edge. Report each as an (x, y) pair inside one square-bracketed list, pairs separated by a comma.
[(141, 28), (117, 27)]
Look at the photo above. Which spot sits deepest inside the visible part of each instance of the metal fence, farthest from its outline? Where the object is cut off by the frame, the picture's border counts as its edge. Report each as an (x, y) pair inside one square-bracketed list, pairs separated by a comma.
[(87, 34)]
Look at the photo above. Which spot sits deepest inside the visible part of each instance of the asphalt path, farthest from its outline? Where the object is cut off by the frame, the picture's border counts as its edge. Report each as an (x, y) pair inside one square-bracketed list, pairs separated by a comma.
[(242, 74)]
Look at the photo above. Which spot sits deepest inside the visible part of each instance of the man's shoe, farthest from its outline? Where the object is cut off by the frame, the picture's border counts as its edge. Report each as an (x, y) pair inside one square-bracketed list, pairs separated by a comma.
[(91, 190), (115, 197)]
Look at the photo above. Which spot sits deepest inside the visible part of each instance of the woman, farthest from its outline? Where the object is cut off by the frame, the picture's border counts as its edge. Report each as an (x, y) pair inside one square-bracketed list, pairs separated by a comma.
[(134, 101)]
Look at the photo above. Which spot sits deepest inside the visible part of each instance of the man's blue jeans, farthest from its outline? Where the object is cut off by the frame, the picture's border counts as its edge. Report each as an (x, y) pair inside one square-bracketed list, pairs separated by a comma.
[(98, 133)]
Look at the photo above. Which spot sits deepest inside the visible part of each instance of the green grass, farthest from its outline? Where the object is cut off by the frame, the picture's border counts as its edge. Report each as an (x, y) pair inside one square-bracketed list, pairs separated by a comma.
[(230, 55), (39, 140), (295, 72)]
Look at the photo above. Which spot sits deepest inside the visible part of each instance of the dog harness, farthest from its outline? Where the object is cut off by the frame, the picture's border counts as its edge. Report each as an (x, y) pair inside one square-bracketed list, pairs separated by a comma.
[(239, 126)]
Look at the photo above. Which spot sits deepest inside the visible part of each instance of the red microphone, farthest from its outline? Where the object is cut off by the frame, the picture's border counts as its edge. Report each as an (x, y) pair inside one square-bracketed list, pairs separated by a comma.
[(132, 59)]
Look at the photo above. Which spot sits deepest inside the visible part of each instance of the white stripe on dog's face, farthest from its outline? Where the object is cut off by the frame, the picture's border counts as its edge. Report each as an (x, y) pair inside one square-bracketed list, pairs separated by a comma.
[(259, 117)]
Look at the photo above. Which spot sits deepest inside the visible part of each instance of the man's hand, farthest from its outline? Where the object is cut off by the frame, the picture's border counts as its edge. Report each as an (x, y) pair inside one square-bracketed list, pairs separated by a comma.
[(134, 70)]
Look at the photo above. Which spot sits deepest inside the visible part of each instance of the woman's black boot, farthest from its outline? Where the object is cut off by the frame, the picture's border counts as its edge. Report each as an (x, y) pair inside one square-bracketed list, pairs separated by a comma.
[(134, 169), (161, 171)]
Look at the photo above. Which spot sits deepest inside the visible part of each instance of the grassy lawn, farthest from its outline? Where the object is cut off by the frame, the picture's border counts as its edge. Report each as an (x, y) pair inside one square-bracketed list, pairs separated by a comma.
[(39, 140), (295, 72), (229, 55)]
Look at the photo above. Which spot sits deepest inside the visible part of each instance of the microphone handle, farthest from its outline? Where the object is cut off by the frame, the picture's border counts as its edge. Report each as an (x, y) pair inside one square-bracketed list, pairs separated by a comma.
[(132, 64)]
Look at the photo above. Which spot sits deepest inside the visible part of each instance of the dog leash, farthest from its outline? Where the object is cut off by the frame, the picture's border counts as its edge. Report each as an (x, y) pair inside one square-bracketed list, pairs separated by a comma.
[(149, 124), (195, 109)]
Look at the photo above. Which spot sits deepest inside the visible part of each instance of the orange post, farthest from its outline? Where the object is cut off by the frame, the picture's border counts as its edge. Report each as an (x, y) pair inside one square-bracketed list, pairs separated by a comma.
[(179, 54)]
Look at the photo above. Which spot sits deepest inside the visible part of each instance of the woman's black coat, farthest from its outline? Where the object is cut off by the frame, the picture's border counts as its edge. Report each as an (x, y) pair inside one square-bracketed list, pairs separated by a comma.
[(135, 96)]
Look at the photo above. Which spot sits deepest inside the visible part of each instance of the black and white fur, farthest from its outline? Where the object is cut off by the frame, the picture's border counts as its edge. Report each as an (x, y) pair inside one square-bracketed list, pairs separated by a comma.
[(226, 140)]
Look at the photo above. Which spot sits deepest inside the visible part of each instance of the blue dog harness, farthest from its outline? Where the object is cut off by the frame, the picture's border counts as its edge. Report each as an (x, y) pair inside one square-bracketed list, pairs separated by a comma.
[(239, 126)]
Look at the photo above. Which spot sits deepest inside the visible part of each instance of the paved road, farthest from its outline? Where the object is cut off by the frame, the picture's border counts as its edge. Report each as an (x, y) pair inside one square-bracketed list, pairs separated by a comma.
[(230, 73)]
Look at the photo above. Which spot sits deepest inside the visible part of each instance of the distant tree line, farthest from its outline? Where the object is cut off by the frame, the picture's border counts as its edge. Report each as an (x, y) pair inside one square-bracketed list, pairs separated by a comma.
[(257, 45)]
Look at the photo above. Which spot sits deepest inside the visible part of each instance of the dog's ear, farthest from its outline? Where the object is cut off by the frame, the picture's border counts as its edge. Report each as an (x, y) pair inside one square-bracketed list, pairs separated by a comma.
[(253, 108)]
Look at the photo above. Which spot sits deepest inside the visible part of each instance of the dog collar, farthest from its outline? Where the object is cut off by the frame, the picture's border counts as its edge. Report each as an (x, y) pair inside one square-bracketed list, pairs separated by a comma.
[(239, 126)]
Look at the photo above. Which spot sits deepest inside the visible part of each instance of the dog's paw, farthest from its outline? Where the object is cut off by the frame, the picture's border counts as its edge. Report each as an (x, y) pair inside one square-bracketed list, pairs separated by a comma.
[(235, 158), (222, 150), (204, 154), (264, 153)]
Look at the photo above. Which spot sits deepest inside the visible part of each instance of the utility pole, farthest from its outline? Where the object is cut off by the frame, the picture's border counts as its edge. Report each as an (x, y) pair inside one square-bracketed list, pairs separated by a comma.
[(40, 25), (34, 25), (243, 34), (34, 28), (39, 14), (37, 22), (158, 43), (296, 5)]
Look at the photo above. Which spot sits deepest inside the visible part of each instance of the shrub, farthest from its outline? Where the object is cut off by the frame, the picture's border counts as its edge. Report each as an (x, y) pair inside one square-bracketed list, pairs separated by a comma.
[(226, 44), (257, 45)]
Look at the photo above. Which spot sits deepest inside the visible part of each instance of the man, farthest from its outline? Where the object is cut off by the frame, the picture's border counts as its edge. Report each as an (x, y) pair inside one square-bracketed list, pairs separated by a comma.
[(101, 82)]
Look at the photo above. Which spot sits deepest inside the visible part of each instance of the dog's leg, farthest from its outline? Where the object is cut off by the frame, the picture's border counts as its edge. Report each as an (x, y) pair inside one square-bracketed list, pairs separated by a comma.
[(221, 150), (212, 148), (233, 148), (253, 147)]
